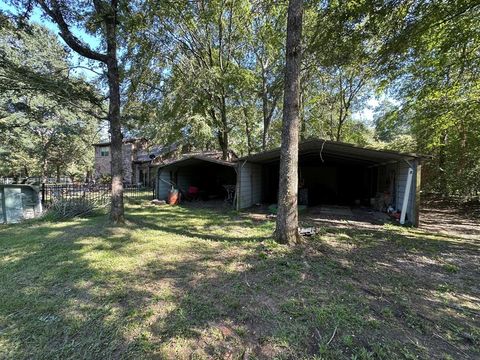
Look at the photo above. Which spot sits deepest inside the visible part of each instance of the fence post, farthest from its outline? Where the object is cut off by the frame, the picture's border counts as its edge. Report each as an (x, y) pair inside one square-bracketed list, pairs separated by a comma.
[(43, 194)]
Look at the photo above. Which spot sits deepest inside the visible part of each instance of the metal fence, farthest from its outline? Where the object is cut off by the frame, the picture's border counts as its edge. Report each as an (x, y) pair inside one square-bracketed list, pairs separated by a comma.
[(99, 194), (139, 192), (96, 193)]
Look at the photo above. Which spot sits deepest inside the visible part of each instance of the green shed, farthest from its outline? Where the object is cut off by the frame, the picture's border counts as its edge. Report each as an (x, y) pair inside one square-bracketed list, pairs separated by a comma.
[(19, 202)]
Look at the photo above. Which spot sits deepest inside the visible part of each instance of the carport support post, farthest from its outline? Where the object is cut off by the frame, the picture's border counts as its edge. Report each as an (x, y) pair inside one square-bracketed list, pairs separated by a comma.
[(418, 183), (4, 204), (406, 195)]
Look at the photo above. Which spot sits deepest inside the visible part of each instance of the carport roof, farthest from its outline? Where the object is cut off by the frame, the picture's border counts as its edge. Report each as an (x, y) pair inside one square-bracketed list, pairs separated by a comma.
[(336, 149), (195, 160)]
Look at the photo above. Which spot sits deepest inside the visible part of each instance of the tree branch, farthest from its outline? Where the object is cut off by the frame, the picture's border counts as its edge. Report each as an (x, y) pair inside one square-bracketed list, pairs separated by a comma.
[(76, 44)]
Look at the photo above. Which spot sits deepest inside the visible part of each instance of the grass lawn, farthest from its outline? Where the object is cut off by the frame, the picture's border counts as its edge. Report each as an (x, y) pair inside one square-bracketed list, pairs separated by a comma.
[(183, 283)]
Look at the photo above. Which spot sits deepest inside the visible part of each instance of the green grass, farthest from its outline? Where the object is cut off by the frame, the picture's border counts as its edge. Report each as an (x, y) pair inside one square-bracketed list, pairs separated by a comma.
[(182, 283)]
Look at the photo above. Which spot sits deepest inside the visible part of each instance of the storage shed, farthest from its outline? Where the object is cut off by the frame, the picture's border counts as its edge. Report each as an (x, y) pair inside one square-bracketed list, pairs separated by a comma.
[(336, 173), (211, 177), (19, 202)]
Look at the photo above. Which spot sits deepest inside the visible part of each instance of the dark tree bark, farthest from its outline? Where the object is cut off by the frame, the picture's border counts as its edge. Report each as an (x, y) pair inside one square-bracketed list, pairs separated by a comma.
[(224, 143), (442, 159), (348, 92), (248, 132), (107, 11), (287, 217), (248, 129), (117, 209), (303, 121), (57, 172), (266, 119), (44, 174), (266, 112)]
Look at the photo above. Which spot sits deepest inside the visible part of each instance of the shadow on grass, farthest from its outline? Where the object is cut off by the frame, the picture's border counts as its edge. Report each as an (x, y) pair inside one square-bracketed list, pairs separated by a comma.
[(225, 226), (55, 302), (180, 283), (274, 302)]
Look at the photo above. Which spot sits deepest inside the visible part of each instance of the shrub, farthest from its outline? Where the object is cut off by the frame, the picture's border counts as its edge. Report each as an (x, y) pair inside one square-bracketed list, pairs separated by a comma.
[(69, 208)]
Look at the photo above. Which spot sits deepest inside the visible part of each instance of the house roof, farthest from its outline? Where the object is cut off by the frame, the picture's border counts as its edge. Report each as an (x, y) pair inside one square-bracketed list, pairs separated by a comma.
[(124, 141), (335, 149), (155, 151)]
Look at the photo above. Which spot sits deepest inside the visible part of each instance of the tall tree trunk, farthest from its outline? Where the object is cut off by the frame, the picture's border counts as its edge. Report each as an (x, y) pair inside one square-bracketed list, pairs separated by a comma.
[(267, 113), (303, 122), (248, 131), (225, 154), (224, 142), (44, 174), (107, 12), (287, 217), (266, 119), (117, 208), (339, 131), (443, 183), (57, 168), (222, 135)]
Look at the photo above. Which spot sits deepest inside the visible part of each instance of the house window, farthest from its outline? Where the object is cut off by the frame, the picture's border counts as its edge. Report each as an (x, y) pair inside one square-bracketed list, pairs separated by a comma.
[(104, 151)]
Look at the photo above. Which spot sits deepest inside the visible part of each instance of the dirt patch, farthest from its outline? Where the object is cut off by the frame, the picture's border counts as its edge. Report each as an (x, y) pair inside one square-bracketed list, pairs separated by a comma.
[(450, 222)]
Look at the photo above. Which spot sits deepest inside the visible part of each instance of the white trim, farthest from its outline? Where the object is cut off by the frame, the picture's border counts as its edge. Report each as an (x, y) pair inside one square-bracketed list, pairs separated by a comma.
[(406, 196)]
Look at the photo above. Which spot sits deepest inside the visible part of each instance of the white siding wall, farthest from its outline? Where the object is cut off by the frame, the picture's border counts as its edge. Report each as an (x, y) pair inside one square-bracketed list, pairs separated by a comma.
[(249, 184), (400, 184), (184, 175), (163, 188)]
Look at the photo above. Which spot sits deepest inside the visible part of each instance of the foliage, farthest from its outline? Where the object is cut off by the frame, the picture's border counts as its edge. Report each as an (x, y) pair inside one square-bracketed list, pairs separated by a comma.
[(105, 179), (339, 70), (435, 80), (205, 61), (210, 73), (47, 120)]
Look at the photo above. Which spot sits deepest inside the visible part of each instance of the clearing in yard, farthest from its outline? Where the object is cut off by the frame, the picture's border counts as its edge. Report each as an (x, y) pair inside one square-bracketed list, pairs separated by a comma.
[(182, 283)]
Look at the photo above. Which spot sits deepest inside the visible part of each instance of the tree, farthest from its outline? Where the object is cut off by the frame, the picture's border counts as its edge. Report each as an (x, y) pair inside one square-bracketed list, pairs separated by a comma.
[(268, 28), (338, 68), (48, 118), (32, 62), (204, 68), (287, 216), (101, 17), (209, 71), (430, 57)]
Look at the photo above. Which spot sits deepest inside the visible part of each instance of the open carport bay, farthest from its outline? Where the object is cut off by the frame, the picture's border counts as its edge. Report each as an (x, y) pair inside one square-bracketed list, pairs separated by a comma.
[(333, 173), (209, 176)]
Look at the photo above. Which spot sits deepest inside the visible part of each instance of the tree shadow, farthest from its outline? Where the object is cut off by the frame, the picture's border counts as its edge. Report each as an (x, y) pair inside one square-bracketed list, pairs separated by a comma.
[(207, 224), (283, 302), (186, 283), (56, 301)]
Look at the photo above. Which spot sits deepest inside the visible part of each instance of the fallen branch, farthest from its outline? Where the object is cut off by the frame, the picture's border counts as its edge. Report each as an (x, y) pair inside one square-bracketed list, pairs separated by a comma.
[(333, 335)]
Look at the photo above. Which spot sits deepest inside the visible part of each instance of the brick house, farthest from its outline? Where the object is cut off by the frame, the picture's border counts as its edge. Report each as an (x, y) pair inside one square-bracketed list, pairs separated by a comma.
[(138, 159)]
